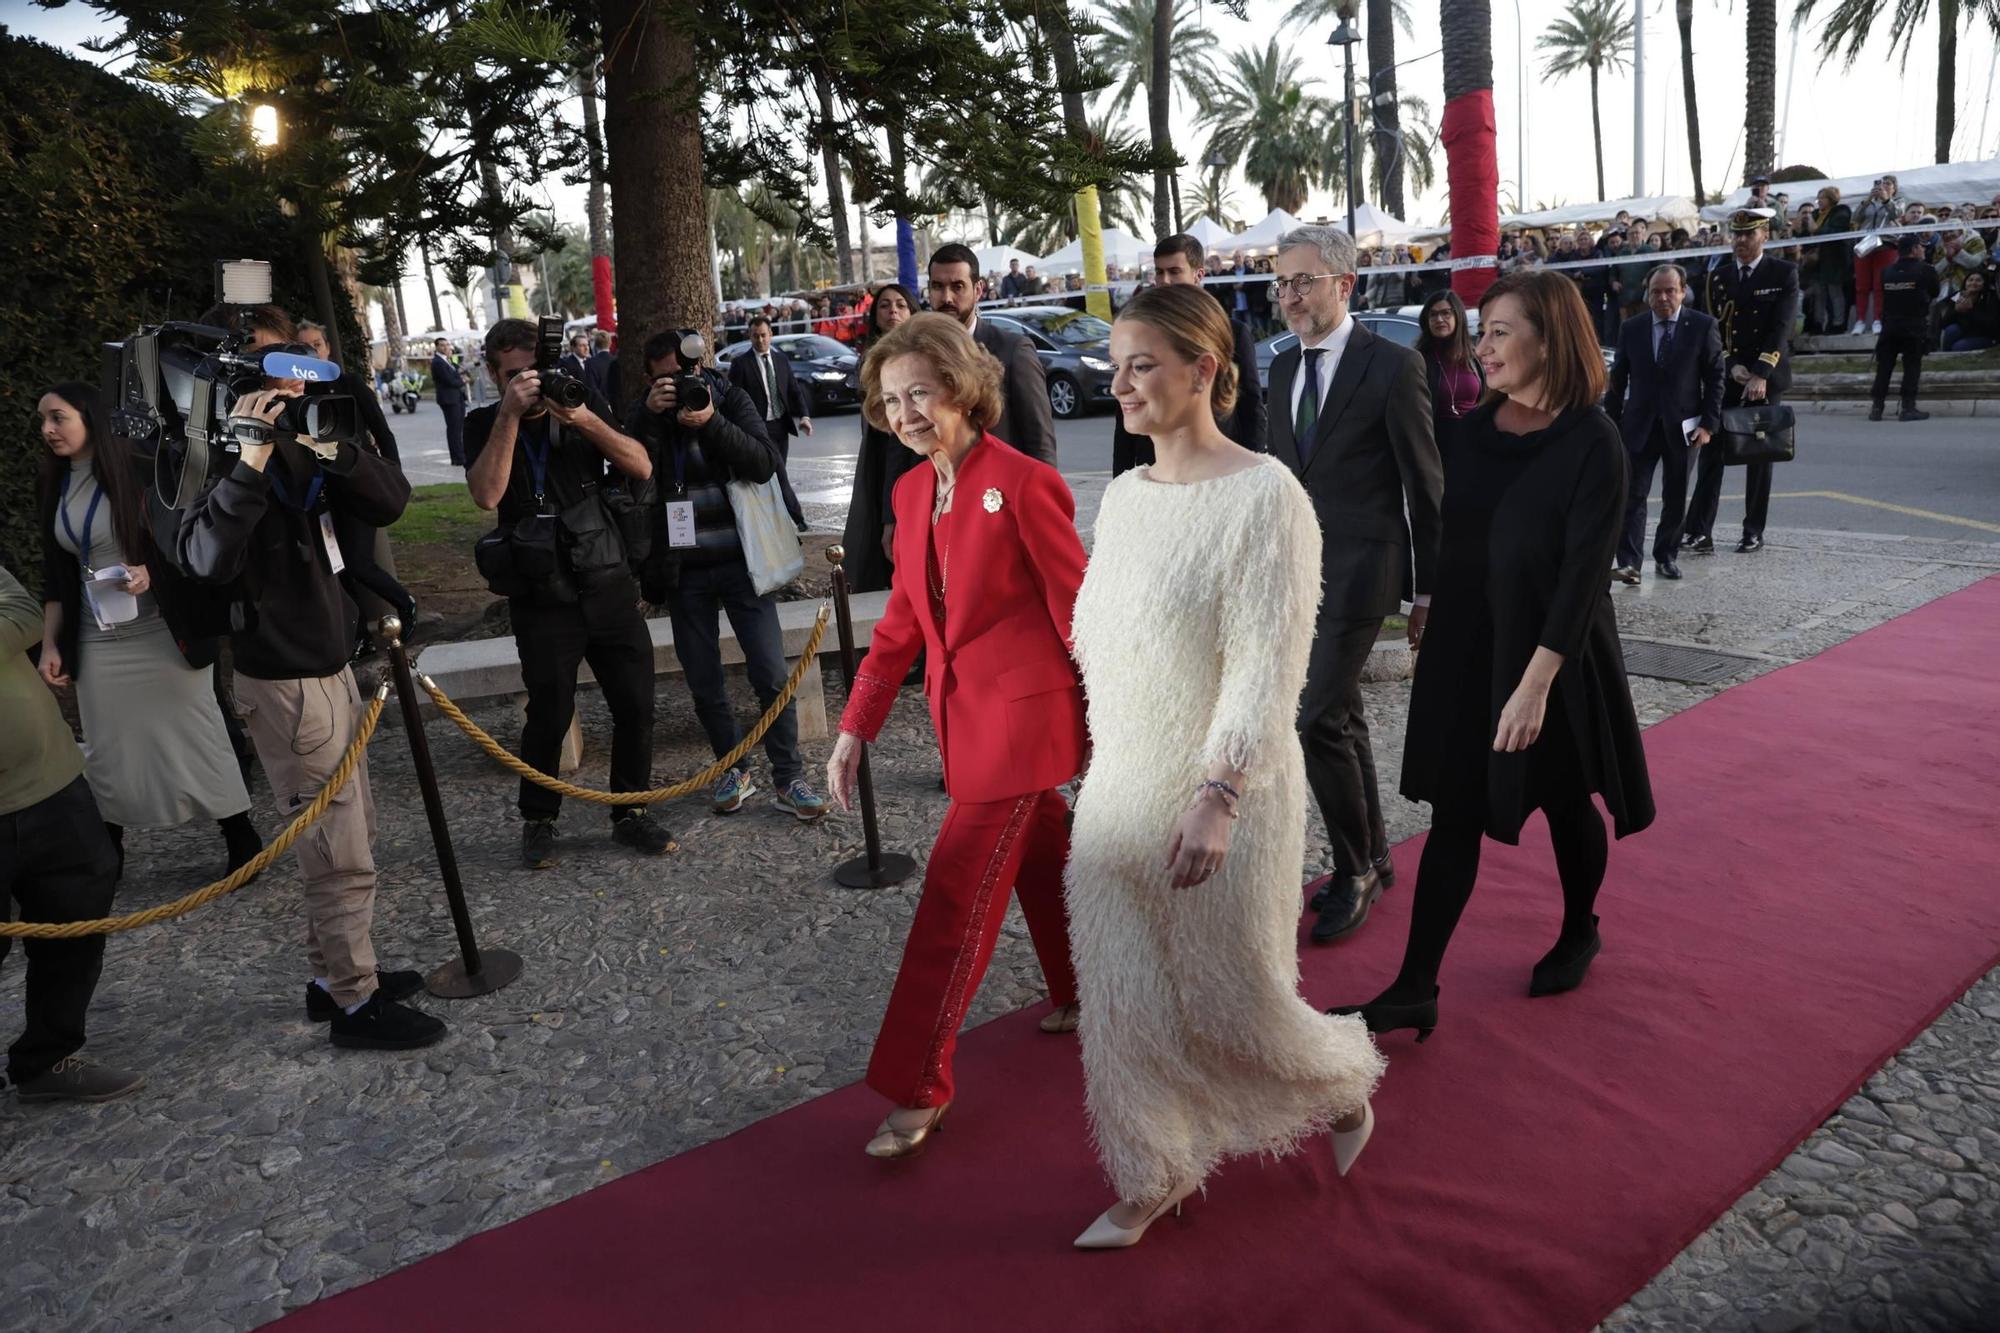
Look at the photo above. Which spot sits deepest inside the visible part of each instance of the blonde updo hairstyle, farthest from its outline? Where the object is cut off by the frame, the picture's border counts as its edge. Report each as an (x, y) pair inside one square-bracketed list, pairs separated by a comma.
[(970, 374), (1194, 325)]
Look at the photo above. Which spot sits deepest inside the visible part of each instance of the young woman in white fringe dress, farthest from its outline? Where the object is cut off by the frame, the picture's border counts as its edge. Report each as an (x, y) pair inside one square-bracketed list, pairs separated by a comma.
[(1192, 628)]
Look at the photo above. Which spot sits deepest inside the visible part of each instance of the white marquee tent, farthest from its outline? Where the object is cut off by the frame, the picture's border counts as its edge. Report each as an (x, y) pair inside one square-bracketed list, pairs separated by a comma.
[(1120, 251), (995, 258), (1212, 235), (1372, 226), (1264, 235), (1949, 183)]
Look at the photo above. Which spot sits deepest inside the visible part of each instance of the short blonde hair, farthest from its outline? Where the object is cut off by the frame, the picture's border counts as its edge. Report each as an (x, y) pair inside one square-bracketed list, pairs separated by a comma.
[(1193, 323), (971, 375)]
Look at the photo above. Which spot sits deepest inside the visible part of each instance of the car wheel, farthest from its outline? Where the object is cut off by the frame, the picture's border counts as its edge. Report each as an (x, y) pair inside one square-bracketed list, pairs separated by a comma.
[(1065, 399)]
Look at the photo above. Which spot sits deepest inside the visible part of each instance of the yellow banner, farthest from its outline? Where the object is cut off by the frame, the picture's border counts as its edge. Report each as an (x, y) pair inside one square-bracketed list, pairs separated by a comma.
[(1098, 300)]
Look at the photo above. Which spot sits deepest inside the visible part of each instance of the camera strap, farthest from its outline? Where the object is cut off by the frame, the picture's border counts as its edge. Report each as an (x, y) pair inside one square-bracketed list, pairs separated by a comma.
[(89, 521), (538, 466), (312, 489)]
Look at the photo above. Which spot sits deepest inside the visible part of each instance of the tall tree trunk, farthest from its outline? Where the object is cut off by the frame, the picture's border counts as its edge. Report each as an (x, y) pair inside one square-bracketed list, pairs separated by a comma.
[(861, 216), (836, 191), (1760, 87), (992, 221), (1076, 125), (431, 286), (1159, 99), (652, 132), (597, 207), (1382, 103), (1597, 132), (393, 325), (1947, 104), (509, 298), (1684, 16), (906, 241), (1472, 163)]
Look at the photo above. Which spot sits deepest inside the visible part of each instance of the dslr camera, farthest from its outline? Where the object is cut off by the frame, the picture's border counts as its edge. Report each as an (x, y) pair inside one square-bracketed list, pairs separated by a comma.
[(691, 392), (558, 386), (171, 387)]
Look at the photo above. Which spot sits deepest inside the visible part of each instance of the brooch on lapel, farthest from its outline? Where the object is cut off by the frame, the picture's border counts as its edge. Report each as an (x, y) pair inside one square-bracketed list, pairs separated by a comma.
[(993, 500)]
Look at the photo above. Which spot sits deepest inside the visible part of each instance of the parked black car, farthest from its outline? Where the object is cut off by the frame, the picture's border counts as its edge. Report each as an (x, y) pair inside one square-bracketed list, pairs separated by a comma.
[(1076, 354), (825, 366)]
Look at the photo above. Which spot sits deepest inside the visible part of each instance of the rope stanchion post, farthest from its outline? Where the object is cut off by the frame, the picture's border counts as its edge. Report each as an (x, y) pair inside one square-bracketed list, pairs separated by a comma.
[(877, 869), (475, 971)]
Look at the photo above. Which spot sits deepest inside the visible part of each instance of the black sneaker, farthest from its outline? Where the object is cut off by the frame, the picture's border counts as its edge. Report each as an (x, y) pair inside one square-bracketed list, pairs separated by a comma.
[(1702, 546), (538, 844), (1912, 414), (320, 1007), (383, 1025), (642, 833), (1875, 412), (77, 1079)]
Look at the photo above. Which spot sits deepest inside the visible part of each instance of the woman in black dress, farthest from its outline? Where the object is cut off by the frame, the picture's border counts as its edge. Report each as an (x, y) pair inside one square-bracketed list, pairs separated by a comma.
[(871, 524), (1520, 701), (1445, 344)]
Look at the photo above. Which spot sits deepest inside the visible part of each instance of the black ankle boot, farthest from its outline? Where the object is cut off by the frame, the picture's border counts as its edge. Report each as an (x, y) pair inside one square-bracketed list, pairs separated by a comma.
[(239, 835), (117, 835), (1382, 1015), (1564, 967)]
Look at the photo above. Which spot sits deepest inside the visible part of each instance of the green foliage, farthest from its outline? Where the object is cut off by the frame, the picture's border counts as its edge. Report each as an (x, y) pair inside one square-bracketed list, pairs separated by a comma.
[(113, 219), (1591, 34), (1287, 139)]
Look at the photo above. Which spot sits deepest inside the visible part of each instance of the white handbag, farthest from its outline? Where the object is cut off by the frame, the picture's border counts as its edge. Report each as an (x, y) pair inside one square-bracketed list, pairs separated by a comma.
[(771, 545)]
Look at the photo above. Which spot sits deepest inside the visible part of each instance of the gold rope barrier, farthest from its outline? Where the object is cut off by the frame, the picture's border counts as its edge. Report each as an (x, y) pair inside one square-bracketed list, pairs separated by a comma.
[(236, 879), (519, 767)]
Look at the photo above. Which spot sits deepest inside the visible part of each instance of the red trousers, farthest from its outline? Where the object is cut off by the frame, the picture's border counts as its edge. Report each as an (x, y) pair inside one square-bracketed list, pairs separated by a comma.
[(1868, 271), (983, 850)]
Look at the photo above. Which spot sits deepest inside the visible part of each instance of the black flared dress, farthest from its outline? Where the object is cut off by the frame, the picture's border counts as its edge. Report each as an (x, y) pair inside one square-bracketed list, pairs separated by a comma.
[(1531, 524)]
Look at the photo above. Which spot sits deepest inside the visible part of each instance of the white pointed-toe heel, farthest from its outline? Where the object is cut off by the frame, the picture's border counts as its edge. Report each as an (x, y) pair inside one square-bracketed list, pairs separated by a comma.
[(1347, 1144), (1105, 1234)]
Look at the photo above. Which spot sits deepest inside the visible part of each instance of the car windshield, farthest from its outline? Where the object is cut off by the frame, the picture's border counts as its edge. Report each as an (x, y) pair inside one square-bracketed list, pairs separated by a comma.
[(1070, 326), (810, 345)]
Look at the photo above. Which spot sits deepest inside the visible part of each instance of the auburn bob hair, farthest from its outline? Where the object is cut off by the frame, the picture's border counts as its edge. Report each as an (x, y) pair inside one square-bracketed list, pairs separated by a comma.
[(1573, 374)]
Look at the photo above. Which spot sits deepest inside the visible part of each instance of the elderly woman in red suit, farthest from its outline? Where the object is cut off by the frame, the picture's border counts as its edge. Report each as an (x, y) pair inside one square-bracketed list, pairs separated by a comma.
[(987, 568)]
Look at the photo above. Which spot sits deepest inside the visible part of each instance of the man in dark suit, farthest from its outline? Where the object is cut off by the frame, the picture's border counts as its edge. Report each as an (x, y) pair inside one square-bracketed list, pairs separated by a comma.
[(1351, 416), (1180, 260), (1755, 299), (449, 386), (765, 373), (1026, 420), (576, 361), (600, 371), (1669, 371)]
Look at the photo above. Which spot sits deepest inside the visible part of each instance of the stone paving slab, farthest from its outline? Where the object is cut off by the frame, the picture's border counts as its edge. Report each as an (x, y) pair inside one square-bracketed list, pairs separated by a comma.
[(667, 1003)]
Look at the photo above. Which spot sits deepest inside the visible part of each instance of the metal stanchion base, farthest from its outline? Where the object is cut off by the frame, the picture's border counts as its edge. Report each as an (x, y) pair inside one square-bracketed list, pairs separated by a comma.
[(497, 967), (856, 874)]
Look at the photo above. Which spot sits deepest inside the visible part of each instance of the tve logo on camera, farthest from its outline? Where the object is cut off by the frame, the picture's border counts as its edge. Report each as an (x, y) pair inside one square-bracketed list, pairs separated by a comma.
[(292, 366)]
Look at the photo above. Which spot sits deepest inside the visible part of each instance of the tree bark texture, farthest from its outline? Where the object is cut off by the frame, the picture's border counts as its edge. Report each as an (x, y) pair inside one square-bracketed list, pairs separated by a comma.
[(1382, 105), (1760, 87)]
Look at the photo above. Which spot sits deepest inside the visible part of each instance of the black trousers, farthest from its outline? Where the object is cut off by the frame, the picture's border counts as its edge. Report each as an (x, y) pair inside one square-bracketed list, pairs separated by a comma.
[(783, 439), (454, 430), (606, 630), (57, 861), (1670, 454), (704, 594), (1340, 760), (1909, 346), (1707, 498)]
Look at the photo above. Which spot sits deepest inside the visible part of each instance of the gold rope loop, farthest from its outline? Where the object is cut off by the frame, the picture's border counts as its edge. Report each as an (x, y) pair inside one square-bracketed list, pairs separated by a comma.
[(521, 768), (236, 879)]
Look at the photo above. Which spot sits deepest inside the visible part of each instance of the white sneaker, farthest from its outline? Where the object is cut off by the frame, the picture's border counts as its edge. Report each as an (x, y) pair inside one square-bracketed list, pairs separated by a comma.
[(1877, 327), (1857, 330)]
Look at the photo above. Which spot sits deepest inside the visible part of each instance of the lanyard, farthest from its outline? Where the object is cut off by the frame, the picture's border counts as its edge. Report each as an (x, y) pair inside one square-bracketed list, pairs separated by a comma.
[(312, 489), (680, 452), (89, 520), (538, 465)]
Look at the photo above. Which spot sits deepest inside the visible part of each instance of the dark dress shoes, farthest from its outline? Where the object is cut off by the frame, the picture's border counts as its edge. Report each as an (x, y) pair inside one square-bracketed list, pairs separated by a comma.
[(1626, 574), (1346, 907), (1749, 544), (1702, 546), (1875, 412), (1564, 967), (1382, 1014), (1912, 414), (1668, 569), (1385, 878)]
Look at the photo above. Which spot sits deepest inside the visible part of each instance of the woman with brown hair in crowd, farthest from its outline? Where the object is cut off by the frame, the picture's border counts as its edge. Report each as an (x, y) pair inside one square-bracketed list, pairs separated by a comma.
[(871, 524), (1446, 346), (1520, 701)]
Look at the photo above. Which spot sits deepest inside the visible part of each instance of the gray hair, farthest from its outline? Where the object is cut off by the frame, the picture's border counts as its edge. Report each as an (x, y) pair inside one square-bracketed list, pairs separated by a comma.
[(1336, 247), (1680, 274)]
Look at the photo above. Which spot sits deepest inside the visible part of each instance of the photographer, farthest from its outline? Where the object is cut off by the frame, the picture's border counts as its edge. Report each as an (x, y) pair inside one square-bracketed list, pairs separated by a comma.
[(560, 559), (697, 566), (266, 528)]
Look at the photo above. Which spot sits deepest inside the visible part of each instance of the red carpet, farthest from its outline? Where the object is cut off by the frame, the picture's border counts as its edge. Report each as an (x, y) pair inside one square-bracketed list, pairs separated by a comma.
[(1819, 886)]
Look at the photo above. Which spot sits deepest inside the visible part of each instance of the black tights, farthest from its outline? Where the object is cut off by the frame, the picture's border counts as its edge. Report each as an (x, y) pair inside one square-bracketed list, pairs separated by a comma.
[(1450, 867)]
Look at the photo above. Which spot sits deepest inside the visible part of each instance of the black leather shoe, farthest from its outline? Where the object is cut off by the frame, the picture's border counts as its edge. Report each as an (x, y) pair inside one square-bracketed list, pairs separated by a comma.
[(1385, 876), (320, 1007), (383, 1025), (1667, 568), (1702, 546), (1563, 968), (538, 843), (1687, 540), (1875, 412), (1346, 907), (1626, 574), (1385, 873), (1749, 544), (1382, 1016), (1912, 414)]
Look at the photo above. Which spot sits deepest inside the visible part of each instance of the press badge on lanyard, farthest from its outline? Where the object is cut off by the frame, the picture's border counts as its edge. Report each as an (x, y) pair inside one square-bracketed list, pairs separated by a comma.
[(335, 563), (680, 510), (332, 543)]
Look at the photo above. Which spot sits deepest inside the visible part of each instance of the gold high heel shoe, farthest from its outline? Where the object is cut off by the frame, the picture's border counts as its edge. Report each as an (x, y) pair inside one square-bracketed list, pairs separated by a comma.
[(1105, 1234), (1060, 1021), (892, 1142)]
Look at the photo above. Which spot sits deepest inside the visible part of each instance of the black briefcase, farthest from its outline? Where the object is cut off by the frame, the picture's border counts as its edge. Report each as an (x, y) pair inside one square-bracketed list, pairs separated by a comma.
[(1758, 433)]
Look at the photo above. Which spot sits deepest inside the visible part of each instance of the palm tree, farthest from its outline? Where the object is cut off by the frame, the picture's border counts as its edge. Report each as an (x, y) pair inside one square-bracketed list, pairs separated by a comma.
[(1283, 136), (1465, 28), (1851, 21), (1214, 200), (1058, 29), (1412, 148), (1760, 87), (598, 206), (1684, 16), (1161, 53), (1384, 17), (1593, 34)]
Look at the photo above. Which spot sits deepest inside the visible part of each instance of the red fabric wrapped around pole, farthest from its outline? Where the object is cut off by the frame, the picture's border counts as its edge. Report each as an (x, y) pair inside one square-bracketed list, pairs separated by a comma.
[(600, 287), (1473, 169)]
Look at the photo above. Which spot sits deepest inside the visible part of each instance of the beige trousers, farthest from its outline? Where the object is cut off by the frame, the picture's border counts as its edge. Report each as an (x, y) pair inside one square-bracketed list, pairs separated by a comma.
[(301, 728)]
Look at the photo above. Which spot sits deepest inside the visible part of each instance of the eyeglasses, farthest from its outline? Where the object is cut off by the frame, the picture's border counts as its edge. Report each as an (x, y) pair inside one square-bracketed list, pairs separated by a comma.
[(1301, 284)]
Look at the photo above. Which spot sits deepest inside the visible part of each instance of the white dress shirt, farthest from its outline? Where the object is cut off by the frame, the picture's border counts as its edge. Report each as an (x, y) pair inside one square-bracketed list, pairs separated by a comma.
[(1334, 345)]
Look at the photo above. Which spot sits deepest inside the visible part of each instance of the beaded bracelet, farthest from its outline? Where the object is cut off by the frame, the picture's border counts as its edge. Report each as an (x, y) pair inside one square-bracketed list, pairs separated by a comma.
[(1230, 795)]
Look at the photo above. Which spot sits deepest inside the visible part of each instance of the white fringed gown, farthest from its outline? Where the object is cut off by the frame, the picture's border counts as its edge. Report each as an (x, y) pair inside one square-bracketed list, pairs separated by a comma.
[(1193, 627)]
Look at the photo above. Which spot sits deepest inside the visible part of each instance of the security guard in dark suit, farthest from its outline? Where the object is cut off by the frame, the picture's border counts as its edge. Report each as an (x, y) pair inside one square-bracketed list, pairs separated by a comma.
[(1755, 299)]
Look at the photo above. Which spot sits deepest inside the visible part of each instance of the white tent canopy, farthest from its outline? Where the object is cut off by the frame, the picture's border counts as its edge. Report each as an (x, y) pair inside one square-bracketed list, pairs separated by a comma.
[(1120, 251), (1264, 235), (1212, 235), (1372, 226), (1950, 183), (1677, 209), (995, 258)]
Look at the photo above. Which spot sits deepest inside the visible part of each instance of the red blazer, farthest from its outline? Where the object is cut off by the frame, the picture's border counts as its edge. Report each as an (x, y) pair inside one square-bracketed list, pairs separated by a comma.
[(1004, 692)]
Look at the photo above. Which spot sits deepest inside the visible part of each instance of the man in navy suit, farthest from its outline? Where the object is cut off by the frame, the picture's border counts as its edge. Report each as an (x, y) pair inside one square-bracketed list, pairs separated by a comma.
[(765, 373), (1669, 371), (449, 385)]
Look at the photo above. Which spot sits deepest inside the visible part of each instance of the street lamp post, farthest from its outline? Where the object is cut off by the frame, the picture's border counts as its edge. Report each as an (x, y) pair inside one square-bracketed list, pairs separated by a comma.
[(1345, 38)]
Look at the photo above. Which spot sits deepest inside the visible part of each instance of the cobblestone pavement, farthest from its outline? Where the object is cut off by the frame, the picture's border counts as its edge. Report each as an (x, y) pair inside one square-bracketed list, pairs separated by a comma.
[(668, 1003)]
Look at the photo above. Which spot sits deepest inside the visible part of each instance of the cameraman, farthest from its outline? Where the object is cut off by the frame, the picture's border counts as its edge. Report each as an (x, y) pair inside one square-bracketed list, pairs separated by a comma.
[(564, 573), (266, 528), (697, 568)]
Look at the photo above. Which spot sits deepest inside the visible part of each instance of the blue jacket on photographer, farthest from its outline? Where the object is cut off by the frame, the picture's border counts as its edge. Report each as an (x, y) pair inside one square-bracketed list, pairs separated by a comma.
[(697, 567), (572, 491)]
